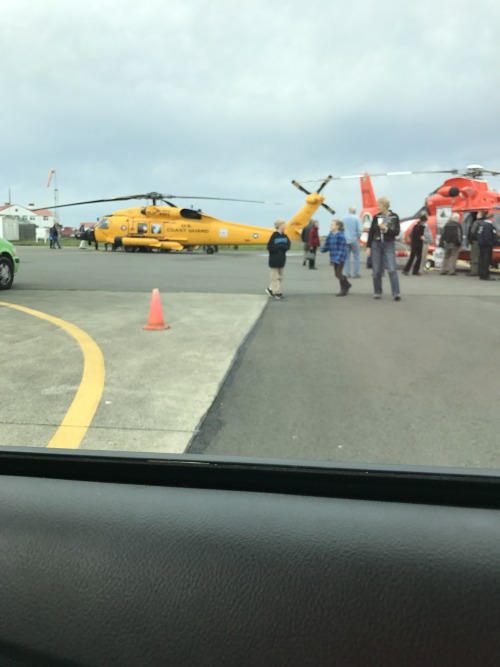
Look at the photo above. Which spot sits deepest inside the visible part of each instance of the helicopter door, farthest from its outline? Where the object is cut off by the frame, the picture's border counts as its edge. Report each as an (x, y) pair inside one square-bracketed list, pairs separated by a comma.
[(466, 225), (443, 214)]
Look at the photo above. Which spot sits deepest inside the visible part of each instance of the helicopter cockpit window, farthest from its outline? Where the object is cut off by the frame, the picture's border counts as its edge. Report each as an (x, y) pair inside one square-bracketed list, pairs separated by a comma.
[(142, 228), (104, 224)]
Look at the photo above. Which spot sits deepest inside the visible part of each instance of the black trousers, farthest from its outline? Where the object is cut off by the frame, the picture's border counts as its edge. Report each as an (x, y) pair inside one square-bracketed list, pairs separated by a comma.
[(484, 261), (312, 258), (416, 254)]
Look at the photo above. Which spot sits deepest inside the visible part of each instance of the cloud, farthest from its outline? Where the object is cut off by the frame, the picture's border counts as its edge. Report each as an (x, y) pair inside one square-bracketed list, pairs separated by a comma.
[(227, 99)]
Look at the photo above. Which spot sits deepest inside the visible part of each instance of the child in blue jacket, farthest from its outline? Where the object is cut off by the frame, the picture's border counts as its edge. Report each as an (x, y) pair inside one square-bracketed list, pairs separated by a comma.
[(336, 244)]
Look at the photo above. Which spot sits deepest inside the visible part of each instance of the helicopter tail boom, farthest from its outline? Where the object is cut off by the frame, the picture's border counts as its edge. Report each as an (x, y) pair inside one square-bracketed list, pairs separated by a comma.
[(296, 224)]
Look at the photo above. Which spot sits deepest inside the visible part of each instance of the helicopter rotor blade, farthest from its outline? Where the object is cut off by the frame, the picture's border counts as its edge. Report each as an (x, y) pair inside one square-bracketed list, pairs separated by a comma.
[(92, 201), (325, 182), (247, 201), (302, 189), (330, 210), (154, 196)]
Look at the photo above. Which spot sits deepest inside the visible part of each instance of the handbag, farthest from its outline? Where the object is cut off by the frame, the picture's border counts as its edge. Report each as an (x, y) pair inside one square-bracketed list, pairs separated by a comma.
[(369, 262)]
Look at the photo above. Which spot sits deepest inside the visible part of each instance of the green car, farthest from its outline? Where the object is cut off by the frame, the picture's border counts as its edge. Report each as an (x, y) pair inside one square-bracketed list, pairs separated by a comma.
[(9, 264)]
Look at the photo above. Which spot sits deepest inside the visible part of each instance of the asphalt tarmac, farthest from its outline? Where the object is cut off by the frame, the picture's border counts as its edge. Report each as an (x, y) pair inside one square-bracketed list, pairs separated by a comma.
[(313, 377)]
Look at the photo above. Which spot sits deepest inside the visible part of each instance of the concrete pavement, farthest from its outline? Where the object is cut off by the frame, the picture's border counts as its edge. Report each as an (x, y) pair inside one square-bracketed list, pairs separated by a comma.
[(158, 384), (319, 378)]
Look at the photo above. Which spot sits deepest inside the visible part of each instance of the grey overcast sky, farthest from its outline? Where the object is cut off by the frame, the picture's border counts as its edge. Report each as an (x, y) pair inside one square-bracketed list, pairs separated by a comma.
[(229, 99)]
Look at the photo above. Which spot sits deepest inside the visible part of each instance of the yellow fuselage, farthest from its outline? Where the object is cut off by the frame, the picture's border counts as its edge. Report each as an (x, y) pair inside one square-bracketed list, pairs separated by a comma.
[(170, 228)]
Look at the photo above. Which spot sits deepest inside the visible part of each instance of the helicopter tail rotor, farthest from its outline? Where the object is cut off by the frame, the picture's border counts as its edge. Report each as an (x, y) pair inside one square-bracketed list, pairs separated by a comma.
[(302, 189)]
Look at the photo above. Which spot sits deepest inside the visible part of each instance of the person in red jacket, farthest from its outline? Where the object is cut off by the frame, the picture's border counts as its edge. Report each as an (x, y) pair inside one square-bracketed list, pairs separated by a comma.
[(313, 244)]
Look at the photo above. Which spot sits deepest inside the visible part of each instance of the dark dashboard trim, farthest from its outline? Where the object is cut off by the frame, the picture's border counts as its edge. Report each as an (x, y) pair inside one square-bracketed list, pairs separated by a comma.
[(426, 485)]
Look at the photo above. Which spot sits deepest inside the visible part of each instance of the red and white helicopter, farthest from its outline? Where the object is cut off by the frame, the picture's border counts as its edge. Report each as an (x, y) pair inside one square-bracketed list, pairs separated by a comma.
[(465, 193)]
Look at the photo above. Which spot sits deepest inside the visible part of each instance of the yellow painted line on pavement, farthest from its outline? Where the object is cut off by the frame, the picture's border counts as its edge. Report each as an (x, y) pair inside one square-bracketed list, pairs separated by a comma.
[(76, 422)]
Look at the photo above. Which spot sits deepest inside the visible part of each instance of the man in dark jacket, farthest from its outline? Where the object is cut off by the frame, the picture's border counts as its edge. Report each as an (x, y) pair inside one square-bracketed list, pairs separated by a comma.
[(304, 236), (417, 243), (451, 241), (278, 245), (381, 247), (486, 239), (474, 248)]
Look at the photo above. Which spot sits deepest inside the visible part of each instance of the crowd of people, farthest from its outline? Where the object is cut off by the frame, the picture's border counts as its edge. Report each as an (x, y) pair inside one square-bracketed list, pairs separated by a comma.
[(343, 245)]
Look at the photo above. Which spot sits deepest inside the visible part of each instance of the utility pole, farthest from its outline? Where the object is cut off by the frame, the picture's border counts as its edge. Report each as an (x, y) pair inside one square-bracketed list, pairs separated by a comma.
[(56, 199)]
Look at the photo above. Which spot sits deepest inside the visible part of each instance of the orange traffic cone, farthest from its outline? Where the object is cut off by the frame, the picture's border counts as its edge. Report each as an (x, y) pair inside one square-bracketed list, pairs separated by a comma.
[(155, 320)]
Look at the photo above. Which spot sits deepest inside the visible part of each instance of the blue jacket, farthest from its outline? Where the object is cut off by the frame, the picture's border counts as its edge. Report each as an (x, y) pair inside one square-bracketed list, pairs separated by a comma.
[(337, 246), (352, 228)]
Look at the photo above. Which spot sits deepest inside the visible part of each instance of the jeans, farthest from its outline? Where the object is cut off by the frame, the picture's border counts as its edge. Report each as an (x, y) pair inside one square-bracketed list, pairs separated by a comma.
[(384, 256), (354, 249)]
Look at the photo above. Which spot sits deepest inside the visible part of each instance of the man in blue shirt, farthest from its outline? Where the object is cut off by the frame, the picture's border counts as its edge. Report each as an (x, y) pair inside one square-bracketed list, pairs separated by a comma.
[(352, 232)]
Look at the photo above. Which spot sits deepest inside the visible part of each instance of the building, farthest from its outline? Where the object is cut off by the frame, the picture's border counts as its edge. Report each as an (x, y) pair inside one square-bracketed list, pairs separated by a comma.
[(13, 215)]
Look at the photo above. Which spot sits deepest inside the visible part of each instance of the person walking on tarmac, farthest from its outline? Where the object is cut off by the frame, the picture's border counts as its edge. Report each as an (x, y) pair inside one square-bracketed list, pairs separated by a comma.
[(278, 245), (451, 240), (486, 239), (304, 236), (352, 233), (335, 242), (416, 241), (381, 247), (55, 236), (82, 237), (474, 248), (313, 244)]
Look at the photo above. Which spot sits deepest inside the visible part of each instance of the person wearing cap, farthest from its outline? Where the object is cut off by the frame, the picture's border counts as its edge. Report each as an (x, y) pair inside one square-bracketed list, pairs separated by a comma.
[(417, 239), (278, 245)]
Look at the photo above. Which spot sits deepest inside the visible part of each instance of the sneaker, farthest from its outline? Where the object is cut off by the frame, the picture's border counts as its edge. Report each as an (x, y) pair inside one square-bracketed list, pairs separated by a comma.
[(341, 294), (397, 297), (348, 287), (377, 296), (268, 292), (278, 297)]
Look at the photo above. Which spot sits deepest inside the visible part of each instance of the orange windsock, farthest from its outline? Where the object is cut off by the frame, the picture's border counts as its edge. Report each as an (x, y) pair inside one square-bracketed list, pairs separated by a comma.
[(51, 173), (155, 320)]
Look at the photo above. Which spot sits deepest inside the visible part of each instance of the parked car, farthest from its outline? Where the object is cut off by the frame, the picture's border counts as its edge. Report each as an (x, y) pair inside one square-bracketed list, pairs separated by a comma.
[(9, 264)]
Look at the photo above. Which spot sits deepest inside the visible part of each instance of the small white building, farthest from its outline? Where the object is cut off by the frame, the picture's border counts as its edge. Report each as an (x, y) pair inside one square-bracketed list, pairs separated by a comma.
[(11, 215)]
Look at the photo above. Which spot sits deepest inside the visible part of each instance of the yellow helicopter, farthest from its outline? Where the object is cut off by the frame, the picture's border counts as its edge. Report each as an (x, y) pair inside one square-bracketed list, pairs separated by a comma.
[(167, 227)]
